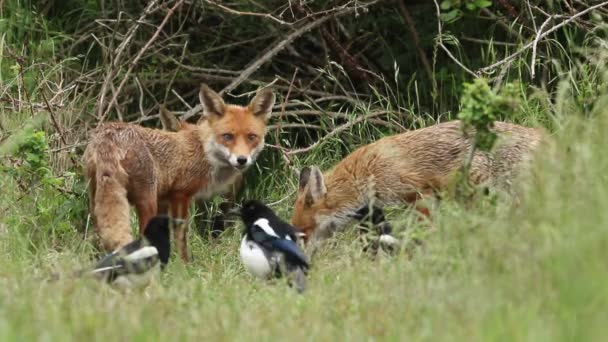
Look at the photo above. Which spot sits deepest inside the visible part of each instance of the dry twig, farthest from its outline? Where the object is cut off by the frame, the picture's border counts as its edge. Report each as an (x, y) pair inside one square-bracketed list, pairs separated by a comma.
[(268, 55), (254, 14), (278, 126), (538, 35), (56, 125), (444, 48), (330, 134), (137, 58), (511, 57), (113, 67)]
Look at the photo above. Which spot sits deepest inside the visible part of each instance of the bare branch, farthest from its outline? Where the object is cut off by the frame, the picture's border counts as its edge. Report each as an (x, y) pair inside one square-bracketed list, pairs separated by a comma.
[(538, 34), (278, 126), (336, 131), (565, 22), (268, 55), (137, 58), (254, 14), (444, 48), (112, 68), (56, 125)]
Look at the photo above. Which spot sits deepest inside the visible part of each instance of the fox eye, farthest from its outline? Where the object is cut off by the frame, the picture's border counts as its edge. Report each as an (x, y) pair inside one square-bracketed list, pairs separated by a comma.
[(252, 136), (228, 136)]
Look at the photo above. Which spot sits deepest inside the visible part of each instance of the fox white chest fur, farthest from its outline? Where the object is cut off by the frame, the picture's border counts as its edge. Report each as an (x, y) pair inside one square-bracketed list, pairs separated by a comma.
[(220, 181)]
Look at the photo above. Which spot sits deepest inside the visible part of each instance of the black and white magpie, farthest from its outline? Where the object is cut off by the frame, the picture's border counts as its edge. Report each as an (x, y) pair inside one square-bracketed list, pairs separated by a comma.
[(269, 245), (373, 217), (136, 263)]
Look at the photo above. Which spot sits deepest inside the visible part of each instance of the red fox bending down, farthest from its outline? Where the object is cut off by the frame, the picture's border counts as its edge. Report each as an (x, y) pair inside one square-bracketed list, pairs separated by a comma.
[(156, 170), (404, 168)]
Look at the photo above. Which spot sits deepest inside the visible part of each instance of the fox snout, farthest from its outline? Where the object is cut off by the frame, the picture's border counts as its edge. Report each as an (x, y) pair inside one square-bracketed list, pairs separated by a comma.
[(240, 161), (237, 132)]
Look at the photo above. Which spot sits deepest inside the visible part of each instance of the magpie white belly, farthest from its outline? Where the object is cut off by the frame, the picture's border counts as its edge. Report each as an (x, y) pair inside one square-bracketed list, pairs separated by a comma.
[(255, 259)]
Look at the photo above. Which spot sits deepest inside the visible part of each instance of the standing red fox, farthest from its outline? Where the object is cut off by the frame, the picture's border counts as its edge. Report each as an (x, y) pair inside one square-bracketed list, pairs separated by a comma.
[(156, 170), (172, 124), (404, 168)]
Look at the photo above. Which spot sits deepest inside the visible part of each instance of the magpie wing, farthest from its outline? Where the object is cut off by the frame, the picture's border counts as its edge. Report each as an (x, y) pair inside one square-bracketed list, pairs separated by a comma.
[(110, 267), (263, 232), (291, 251), (121, 266), (260, 236), (133, 258), (141, 260), (279, 240), (109, 260), (115, 257)]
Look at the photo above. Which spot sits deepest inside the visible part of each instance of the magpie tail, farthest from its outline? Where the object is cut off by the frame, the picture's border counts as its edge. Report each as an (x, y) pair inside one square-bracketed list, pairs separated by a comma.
[(298, 279)]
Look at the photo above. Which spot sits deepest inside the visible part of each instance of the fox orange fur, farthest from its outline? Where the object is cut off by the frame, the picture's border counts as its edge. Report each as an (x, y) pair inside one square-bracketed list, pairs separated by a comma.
[(404, 168), (172, 124), (156, 170)]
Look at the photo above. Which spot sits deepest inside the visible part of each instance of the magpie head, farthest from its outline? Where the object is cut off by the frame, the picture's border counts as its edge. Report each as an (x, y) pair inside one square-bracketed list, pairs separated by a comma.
[(373, 218), (252, 210), (369, 213), (157, 234)]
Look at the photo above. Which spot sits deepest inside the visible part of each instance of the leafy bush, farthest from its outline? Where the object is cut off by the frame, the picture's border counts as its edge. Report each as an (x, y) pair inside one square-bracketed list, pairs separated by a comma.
[(47, 204)]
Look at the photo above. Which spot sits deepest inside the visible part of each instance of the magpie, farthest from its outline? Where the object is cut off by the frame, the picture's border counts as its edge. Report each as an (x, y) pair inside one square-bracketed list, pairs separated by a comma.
[(269, 245), (136, 263), (373, 217)]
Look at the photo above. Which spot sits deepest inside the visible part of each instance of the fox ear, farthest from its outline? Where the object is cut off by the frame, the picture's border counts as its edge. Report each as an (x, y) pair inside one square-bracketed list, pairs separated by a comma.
[(262, 103), (169, 121), (212, 103), (304, 177), (316, 185)]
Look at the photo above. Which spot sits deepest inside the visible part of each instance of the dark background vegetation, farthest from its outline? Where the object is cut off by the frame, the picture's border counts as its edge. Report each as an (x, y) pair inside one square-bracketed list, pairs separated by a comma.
[(345, 72), (377, 53)]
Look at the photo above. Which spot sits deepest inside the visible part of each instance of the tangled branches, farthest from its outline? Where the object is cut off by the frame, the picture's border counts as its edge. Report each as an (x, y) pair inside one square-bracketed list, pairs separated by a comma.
[(334, 64)]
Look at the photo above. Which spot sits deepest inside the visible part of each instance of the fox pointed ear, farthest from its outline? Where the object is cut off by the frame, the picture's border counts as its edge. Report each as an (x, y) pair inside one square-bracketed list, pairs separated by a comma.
[(315, 184), (212, 103), (262, 103), (304, 177), (169, 121)]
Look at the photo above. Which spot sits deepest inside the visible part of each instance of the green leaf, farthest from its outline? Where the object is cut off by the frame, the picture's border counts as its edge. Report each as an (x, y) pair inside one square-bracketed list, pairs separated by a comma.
[(446, 4), (32, 157), (450, 16), (483, 3)]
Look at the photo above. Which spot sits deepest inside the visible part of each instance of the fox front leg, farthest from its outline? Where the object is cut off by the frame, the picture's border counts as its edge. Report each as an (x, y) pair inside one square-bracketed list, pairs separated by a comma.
[(179, 209)]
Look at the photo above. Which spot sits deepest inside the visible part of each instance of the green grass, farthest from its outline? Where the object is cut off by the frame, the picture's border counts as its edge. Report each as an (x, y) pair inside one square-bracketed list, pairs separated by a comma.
[(533, 271)]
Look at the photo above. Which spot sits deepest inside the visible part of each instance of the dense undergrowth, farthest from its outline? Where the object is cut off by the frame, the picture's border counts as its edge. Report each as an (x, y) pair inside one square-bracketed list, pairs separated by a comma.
[(532, 268)]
